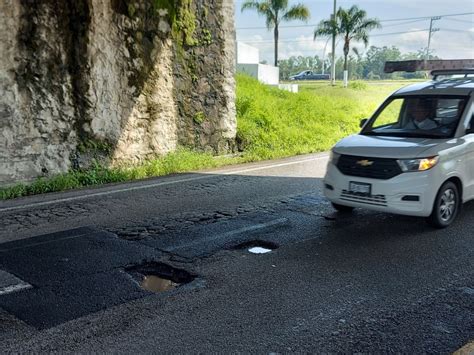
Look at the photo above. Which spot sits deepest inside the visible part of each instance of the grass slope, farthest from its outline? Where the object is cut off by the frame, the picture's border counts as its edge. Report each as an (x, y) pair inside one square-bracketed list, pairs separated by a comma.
[(274, 123)]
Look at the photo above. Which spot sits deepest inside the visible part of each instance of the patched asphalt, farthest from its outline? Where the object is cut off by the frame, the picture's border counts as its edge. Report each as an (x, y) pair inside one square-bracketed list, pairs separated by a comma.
[(80, 271), (72, 273)]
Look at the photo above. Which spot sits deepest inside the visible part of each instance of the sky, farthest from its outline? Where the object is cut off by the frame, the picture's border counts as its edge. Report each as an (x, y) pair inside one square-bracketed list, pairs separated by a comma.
[(454, 40)]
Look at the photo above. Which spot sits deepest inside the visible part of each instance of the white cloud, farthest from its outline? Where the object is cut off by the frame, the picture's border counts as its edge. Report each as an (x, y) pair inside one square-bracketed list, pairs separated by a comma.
[(304, 46), (471, 34), (446, 44), (413, 39), (406, 42)]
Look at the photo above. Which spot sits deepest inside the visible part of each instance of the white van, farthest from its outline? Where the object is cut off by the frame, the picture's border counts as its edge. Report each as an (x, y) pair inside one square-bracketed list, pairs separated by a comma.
[(414, 156)]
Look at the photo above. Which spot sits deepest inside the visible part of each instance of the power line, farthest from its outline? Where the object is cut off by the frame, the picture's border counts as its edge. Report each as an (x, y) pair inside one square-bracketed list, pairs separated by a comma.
[(397, 33), (312, 40), (454, 30), (429, 17), (403, 23), (373, 35), (304, 26), (388, 20), (458, 20)]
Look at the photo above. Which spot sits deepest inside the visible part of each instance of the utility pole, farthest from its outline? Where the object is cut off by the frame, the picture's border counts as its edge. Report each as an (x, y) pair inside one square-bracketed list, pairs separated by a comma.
[(432, 30), (333, 64)]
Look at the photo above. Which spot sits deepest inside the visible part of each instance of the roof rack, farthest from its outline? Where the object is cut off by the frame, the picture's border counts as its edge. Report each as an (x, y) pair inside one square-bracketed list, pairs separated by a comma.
[(427, 65), (462, 73)]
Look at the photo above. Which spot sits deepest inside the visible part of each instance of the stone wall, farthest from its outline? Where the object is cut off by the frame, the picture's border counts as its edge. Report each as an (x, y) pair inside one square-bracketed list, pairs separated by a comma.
[(115, 80)]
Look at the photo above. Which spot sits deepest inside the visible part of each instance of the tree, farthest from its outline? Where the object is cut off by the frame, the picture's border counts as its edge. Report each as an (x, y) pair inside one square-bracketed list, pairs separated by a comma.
[(351, 24), (295, 65), (276, 11), (354, 67), (420, 55), (376, 58)]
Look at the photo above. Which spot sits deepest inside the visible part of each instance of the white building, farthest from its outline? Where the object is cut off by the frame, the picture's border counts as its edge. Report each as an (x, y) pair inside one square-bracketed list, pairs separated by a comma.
[(247, 54), (248, 62)]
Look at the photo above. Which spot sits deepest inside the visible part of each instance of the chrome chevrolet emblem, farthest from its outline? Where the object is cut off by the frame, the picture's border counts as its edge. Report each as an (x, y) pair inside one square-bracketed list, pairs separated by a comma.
[(365, 162)]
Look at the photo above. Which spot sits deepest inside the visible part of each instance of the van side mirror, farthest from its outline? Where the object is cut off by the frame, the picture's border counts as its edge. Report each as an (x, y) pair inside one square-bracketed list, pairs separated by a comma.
[(363, 122)]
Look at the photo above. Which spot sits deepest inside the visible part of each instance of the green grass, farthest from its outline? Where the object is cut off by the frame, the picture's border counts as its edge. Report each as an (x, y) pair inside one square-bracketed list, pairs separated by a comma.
[(176, 162), (274, 123), (271, 124)]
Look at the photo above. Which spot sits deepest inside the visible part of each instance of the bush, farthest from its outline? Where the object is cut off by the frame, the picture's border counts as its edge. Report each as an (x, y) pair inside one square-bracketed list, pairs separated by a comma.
[(358, 85)]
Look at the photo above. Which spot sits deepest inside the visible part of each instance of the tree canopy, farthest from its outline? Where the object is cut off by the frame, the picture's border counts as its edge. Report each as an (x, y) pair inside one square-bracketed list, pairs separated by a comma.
[(276, 11), (351, 25), (368, 65)]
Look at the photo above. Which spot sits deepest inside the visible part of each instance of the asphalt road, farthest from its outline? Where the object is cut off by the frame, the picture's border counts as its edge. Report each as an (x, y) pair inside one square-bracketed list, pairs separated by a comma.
[(363, 282)]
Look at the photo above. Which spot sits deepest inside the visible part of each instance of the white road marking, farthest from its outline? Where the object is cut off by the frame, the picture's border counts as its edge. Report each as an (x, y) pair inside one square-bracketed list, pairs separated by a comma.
[(14, 288), (10, 283), (164, 183), (273, 166)]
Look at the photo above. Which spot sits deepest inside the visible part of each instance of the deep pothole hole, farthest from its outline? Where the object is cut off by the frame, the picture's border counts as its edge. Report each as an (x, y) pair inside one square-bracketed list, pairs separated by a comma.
[(257, 246), (159, 277)]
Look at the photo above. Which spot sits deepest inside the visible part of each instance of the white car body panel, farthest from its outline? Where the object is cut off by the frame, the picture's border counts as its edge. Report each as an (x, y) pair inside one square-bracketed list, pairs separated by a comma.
[(383, 147), (456, 161)]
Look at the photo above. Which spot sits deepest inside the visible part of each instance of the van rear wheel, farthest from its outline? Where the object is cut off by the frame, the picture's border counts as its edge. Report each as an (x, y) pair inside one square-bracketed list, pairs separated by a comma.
[(446, 206), (342, 208)]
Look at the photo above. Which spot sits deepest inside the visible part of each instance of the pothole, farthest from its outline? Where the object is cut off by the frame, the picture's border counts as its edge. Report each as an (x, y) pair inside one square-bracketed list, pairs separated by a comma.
[(157, 284), (159, 277), (257, 246)]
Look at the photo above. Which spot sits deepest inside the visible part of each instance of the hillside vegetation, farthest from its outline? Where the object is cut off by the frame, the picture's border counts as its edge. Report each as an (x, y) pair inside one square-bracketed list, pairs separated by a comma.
[(271, 124)]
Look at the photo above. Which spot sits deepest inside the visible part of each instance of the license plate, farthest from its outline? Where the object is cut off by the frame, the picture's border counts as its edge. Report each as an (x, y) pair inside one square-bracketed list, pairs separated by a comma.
[(360, 188)]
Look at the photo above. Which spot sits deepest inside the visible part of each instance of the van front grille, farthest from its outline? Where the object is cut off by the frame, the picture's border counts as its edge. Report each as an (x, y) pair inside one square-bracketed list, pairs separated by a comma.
[(374, 168), (375, 200)]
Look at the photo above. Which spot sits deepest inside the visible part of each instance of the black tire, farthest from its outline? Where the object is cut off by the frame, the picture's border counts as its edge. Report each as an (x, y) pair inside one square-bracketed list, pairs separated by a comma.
[(342, 208), (446, 206)]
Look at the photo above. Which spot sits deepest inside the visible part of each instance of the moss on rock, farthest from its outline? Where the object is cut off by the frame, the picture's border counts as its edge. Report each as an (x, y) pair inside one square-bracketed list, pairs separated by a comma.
[(181, 17)]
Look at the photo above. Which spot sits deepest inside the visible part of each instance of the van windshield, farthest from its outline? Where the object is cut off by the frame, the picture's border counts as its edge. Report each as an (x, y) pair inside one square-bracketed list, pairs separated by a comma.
[(417, 116)]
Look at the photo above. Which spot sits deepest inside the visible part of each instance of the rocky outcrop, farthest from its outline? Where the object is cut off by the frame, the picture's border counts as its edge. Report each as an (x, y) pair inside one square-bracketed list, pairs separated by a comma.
[(118, 80)]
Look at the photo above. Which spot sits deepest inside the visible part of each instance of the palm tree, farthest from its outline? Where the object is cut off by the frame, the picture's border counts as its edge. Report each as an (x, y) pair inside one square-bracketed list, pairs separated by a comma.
[(351, 24), (275, 12)]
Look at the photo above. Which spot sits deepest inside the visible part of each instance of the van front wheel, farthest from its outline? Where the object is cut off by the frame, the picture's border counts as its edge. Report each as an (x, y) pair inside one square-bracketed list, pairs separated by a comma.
[(446, 206)]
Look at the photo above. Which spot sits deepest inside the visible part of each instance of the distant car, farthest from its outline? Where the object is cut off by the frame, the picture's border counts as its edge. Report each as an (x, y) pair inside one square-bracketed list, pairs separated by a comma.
[(414, 156), (309, 75)]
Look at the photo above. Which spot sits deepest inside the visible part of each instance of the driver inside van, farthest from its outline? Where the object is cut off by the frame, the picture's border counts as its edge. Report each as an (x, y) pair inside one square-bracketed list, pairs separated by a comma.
[(420, 114)]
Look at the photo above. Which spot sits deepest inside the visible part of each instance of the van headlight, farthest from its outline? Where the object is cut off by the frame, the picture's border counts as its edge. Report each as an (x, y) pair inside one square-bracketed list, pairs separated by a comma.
[(424, 164), (333, 157)]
